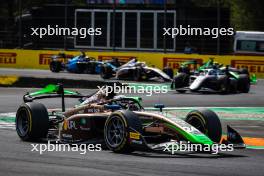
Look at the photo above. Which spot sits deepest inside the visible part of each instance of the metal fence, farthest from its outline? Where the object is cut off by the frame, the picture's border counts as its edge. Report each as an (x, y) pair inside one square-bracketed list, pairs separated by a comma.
[(126, 27), (131, 29)]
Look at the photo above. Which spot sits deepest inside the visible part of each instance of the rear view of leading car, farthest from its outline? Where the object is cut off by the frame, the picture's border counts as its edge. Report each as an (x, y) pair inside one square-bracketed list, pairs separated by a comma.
[(214, 79)]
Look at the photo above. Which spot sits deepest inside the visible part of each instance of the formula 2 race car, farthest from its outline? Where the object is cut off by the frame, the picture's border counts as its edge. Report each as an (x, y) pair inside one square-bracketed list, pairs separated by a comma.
[(134, 70), (118, 122), (211, 64), (79, 64), (213, 78)]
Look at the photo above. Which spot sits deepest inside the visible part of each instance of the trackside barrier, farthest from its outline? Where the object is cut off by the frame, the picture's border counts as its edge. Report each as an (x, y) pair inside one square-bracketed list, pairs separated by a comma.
[(39, 59)]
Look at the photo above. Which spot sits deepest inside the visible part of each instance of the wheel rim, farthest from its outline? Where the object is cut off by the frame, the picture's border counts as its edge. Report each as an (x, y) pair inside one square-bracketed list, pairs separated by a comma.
[(115, 131), (197, 123), (23, 122)]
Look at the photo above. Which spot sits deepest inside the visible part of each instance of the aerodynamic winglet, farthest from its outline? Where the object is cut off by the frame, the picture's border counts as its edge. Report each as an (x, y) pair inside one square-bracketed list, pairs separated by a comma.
[(233, 137)]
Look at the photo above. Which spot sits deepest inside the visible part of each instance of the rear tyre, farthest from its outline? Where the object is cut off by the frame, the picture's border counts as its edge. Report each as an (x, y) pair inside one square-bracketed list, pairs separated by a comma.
[(137, 74), (224, 85), (233, 86), (207, 122), (106, 72), (181, 91), (181, 80), (90, 68), (55, 66), (32, 121), (243, 83), (117, 130), (244, 71), (185, 70)]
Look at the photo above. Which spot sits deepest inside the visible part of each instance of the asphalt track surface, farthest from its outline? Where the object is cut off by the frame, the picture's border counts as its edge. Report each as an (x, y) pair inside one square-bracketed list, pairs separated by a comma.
[(47, 73), (11, 98), (16, 157), (253, 99)]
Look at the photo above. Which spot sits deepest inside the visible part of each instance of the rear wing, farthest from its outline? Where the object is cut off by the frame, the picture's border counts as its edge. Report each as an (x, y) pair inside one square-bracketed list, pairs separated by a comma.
[(52, 91)]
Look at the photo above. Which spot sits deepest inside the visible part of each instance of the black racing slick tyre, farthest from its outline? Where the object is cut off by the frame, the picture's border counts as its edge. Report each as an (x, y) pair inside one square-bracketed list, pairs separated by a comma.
[(243, 83), (181, 91), (224, 85), (55, 66), (207, 122), (244, 71), (233, 86), (106, 72), (117, 130), (137, 74), (181, 80), (32, 121), (90, 68)]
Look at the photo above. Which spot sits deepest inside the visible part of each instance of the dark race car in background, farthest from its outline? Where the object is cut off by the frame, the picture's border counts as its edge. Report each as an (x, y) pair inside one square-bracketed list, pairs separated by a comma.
[(80, 64), (134, 70)]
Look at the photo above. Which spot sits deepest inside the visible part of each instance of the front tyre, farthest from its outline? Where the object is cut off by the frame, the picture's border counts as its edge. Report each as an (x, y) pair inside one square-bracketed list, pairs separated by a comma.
[(117, 129), (32, 121), (207, 122)]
